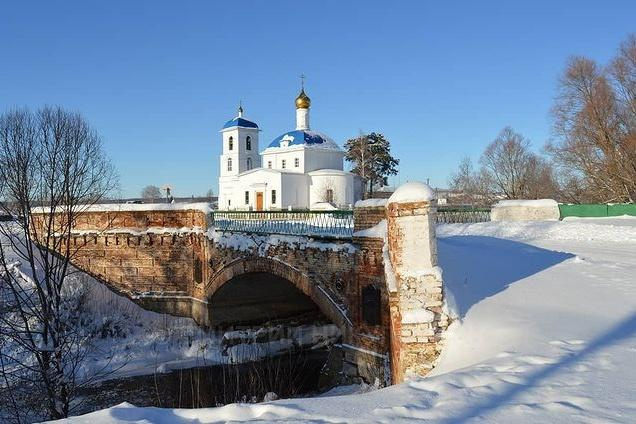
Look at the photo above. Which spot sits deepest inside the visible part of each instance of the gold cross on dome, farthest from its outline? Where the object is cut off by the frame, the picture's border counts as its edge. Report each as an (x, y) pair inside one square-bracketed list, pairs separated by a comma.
[(302, 81)]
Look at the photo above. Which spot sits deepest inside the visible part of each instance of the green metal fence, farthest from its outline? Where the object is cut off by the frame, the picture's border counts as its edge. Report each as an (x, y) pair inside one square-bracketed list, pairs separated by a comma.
[(446, 215), (597, 210), (328, 224)]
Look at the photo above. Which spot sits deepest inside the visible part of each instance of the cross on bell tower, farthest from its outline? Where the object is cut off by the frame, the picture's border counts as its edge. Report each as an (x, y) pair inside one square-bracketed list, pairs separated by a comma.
[(303, 103)]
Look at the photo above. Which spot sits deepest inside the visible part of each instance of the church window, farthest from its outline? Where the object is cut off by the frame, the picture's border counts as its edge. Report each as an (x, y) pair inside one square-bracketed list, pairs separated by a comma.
[(249, 163), (273, 197), (329, 195), (269, 164), (229, 164), (248, 143), (230, 143), (247, 197), (296, 162), (283, 163)]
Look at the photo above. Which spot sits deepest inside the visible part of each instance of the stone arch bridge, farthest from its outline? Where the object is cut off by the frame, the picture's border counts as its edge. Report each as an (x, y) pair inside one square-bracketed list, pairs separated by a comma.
[(380, 285)]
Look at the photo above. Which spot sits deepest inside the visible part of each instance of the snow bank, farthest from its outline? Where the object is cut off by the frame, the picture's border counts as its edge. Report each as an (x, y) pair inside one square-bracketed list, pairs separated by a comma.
[(124, 207), (323, 206), (370, 203), (615, 220), (377, 231), (261, 243), (525, 210), (253, 344), (590, 229), (531, 203), (413, 191)]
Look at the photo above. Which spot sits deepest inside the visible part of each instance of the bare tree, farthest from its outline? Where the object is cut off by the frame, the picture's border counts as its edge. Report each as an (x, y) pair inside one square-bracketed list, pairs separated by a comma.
[(595, 120), (327, 190), (508, 162), (471, 185), (151, 193), (508, 169), (52, 168)]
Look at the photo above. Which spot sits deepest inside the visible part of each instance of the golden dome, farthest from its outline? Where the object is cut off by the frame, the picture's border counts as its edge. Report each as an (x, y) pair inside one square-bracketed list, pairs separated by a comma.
[(303, 101)]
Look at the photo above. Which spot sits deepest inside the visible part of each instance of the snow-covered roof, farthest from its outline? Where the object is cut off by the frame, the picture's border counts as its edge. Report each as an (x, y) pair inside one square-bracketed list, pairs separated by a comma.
[(239, 122), (323, 206), (305, 138), (328, 171), (260, 169)]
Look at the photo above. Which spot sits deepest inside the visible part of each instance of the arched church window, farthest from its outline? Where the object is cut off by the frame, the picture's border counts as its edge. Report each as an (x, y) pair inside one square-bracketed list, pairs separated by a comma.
[(248, 143), (229, 164), (249, 163), (230, 143)]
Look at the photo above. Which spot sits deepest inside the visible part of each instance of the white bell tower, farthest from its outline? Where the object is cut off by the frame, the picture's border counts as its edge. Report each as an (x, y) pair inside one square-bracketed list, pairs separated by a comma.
[(239, 154)]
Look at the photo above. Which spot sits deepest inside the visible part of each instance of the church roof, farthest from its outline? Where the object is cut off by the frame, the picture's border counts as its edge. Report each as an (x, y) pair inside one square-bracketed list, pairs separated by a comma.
[(239, 122), (307, 138)]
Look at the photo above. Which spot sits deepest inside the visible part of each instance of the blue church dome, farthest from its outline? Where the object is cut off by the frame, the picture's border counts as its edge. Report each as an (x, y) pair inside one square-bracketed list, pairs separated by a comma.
[(239, 122), (309, 138)]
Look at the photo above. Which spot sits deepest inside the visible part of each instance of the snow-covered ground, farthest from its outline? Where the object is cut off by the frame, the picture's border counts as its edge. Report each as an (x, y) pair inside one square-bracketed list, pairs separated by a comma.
[(547, 334)]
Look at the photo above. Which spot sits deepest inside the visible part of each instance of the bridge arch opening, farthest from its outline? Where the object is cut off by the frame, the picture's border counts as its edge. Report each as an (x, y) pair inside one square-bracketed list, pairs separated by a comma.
[(256, 298), (266, 282), (282, 315)]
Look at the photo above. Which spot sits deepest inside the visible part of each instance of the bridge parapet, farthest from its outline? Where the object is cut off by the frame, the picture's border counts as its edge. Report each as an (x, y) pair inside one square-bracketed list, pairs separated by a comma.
[(337, 224)]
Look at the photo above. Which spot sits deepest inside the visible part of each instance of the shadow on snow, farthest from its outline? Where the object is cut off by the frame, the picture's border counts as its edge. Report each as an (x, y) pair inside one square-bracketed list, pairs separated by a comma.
[(477, 267), (621, 331)]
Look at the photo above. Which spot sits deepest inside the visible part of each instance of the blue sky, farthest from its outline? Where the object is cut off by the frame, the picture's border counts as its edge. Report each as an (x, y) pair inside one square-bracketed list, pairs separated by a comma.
[(159, 79)]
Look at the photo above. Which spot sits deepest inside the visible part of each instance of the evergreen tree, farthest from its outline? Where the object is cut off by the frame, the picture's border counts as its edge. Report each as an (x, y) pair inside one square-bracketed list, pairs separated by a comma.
[(371, 157)]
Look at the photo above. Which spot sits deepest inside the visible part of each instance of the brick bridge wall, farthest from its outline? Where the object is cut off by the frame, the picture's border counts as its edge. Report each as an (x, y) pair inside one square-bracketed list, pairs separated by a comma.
[(166, 260)]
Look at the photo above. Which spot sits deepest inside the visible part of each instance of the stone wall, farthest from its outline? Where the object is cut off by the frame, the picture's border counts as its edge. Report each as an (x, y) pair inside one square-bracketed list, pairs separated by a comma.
[(368, 213), (525, 210), (370, 345), (98, 221), (155, 257), (142, 264)]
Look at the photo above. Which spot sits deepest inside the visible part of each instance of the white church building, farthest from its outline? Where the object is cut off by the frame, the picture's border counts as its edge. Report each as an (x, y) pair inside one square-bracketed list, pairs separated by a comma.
[(300, 169)]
